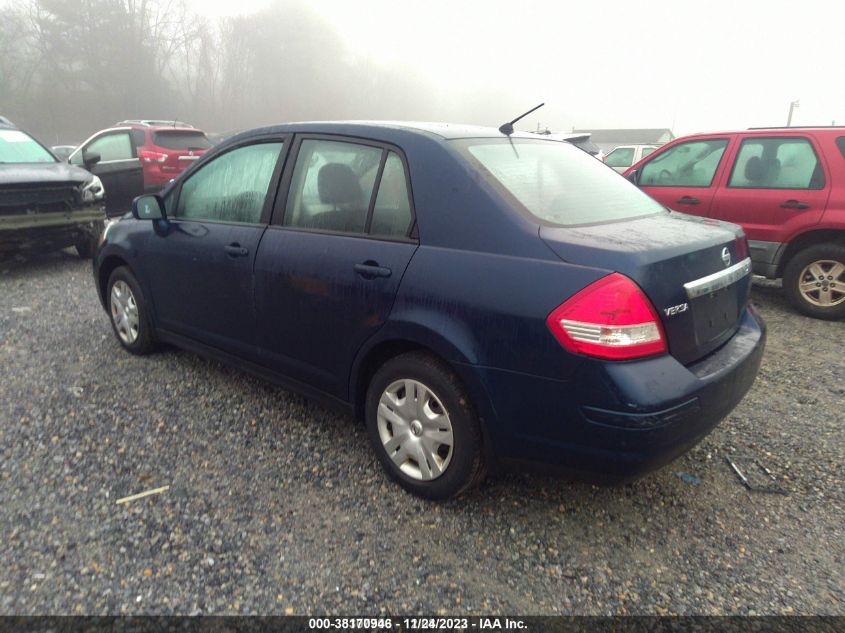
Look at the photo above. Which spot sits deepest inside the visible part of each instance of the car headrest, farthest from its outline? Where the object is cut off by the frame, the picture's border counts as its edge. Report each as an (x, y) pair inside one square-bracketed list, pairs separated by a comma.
[(755, 169), (337, 184)]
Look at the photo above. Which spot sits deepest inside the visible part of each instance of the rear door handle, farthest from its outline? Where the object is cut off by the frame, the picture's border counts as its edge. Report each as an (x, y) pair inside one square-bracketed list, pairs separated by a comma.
[(688, 200), (371, 270), (236, 250), (794, 204)]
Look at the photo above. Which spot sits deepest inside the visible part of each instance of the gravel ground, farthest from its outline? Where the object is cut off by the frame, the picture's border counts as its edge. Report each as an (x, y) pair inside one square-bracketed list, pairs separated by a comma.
[(277, 505)]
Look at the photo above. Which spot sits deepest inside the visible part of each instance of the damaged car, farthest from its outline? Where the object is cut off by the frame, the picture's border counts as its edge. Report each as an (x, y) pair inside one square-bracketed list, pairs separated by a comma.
[(45, 204)]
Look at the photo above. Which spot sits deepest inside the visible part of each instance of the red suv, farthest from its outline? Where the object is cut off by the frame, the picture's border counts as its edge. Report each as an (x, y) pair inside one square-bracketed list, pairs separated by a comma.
[(166, 148), (785, 186)]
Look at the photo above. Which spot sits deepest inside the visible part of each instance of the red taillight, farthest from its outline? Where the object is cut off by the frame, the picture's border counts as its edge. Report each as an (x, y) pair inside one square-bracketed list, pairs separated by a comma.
[(611, 318), (147, 156), (741, 247)]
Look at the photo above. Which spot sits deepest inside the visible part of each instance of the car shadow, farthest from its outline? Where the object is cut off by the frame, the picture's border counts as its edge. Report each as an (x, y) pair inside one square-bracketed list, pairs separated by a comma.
[(35, 262)]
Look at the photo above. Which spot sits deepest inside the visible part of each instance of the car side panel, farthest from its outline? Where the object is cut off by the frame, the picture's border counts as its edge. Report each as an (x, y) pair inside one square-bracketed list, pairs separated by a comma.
[(492, 308), (759, 210)]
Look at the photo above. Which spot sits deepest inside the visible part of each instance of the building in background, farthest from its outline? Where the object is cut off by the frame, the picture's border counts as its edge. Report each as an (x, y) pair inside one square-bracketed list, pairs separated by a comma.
[(608, 139)]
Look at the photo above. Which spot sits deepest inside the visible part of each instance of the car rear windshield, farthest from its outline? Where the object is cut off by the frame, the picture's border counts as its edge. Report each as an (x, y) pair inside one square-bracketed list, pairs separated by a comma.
[(181, 140), (587, 145), (19, 147), (556, 182)]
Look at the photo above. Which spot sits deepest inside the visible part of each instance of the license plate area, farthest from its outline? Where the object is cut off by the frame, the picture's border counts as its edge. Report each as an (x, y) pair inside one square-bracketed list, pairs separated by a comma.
[(714, 313)]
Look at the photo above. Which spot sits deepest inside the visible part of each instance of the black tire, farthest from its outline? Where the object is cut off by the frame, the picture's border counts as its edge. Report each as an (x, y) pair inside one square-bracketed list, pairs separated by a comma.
[(86, 245), (143, 341), (464, 465), (825, 256)]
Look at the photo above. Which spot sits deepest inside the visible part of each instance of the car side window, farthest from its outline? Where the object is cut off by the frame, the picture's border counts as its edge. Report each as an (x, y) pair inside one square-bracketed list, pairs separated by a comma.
[(392, 211), (110, 147), (777, 163), (840, 143), (232, 187), (620, 157), (690, 164), (332, 186), (647, 151)]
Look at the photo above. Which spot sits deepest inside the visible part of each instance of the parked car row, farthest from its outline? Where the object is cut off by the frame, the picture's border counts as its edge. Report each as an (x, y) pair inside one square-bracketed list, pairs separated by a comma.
[(784, 186), (139, 156)]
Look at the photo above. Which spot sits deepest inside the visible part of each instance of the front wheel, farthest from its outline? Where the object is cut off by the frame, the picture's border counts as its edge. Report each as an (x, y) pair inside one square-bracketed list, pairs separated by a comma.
[(423, 427), (814, 281), (129, 314)]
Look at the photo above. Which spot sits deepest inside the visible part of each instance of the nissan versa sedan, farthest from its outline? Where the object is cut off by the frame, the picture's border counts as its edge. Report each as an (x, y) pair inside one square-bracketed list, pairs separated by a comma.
[(478, 299)]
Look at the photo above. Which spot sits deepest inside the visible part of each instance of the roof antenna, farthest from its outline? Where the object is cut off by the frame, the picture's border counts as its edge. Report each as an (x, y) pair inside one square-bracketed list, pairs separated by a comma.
[(507, 128)]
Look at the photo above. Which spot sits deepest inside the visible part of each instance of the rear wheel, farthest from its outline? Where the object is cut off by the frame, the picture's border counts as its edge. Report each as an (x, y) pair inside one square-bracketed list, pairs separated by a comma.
[(814, 281), (129, 313), (423, 428)]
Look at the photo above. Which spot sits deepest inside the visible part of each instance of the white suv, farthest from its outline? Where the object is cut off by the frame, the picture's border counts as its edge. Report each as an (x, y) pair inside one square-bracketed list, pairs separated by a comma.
[(624, 156)]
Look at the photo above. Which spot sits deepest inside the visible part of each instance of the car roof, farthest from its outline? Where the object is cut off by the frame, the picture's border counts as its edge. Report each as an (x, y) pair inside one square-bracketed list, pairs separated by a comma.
[(763, 131), (444, 131), (154, 123)]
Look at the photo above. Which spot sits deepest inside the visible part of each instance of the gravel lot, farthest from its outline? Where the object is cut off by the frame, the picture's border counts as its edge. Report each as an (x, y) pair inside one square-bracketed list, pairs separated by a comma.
[(277, 505)]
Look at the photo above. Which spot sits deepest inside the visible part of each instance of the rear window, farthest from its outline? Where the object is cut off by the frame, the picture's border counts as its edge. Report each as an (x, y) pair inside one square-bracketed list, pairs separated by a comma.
[(587, 145), (18, 147), (556, 182), (181, 140), (840, 142)]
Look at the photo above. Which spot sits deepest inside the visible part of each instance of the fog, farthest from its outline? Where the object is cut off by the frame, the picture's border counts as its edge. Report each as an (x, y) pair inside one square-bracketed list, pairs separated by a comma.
[(71, 67)]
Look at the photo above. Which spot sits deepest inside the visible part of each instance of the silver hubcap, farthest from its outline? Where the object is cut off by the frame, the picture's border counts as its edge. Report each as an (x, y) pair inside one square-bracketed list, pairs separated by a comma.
[(124, 312), (822, 283), (415, 429)]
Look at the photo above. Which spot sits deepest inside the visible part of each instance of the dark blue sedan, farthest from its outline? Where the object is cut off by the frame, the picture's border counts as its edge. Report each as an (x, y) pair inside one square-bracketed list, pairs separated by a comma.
[(477, 298)]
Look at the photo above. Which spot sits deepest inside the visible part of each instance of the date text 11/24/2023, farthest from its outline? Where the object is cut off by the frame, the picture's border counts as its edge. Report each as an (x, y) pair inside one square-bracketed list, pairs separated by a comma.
[(416, 624)]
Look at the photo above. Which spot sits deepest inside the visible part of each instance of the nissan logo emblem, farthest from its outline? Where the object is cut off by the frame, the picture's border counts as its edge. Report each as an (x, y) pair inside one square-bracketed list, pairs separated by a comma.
[(726, 256)]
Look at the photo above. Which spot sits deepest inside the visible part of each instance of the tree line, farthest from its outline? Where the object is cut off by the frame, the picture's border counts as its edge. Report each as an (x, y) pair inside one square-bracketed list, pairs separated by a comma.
[(71, 67)]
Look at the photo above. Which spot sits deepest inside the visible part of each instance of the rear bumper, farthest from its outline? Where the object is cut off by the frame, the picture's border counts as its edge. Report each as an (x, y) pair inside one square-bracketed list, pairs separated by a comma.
[(616, 421)]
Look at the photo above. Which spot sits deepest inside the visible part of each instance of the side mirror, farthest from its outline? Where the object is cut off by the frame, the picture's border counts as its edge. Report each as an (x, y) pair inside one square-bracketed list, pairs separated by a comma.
[(634, 176), (148, 207), (90, 158)]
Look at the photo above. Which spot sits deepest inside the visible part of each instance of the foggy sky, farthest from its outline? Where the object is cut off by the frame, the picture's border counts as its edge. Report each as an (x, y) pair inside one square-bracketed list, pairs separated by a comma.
[(654, 63)]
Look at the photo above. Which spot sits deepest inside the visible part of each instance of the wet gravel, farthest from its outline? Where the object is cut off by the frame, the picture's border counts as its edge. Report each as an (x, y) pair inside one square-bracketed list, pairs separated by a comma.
[(276, 505)]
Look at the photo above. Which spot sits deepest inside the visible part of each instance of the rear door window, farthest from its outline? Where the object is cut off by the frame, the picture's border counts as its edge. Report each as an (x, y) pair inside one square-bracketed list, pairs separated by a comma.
[(392, 212), (690, 164), (777, 163), (231, 188), (332, 186)]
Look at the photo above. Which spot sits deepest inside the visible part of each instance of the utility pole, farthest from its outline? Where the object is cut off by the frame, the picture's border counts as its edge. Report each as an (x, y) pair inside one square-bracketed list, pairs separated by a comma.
[(792, 106)]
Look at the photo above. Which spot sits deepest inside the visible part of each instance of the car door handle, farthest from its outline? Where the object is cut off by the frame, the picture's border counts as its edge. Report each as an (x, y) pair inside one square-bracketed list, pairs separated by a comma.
[(794, 204), (236, 250), (688, 200), (371, 270)]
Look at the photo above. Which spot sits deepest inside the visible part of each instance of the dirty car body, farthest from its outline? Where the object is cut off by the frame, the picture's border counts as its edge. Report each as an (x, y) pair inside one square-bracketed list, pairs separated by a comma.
[(45, 204), (591, 328)]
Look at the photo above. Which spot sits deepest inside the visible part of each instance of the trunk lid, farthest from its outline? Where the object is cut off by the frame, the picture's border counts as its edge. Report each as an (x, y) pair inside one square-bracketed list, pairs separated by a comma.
[(692, 269)]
